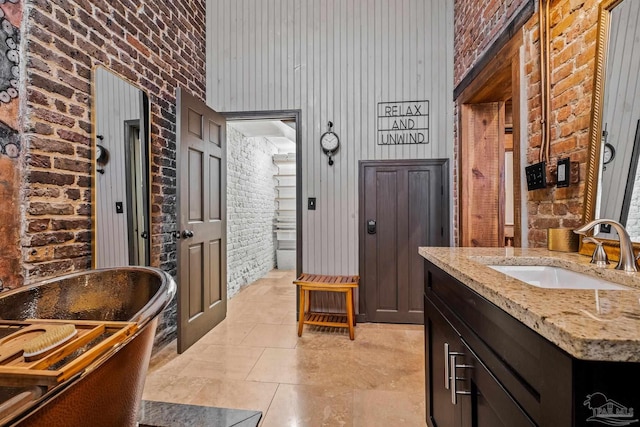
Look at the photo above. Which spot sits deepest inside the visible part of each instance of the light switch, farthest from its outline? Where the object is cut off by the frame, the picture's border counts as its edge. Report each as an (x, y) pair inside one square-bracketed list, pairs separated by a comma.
[(311, 205), (119, 207)]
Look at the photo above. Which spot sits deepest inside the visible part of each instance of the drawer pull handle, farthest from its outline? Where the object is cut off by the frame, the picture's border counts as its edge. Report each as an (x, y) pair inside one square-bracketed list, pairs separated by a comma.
[(454, 380), (447, 366)]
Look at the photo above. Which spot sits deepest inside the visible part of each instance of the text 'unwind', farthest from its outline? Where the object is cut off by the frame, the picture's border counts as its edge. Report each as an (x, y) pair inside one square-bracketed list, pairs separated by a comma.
[(405, 122)]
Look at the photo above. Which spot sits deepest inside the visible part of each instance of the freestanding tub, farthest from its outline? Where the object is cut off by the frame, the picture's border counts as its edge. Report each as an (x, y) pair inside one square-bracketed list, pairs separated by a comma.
[(108, 391)]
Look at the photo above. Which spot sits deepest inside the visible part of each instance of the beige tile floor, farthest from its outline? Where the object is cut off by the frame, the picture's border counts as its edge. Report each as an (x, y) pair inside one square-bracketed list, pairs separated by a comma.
[(255, 360)]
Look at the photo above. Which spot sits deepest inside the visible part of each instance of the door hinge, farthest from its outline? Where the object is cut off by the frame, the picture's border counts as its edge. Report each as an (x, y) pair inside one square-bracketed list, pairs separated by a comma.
[(441, 231), (442, 190)]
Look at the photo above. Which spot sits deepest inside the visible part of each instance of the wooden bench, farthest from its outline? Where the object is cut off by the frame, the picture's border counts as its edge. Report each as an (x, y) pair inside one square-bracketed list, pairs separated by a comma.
[(316, 282)]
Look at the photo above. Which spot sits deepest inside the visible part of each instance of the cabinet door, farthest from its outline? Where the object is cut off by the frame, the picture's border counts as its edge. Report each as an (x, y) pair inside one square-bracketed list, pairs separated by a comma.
[(441, 341), (487, 403)]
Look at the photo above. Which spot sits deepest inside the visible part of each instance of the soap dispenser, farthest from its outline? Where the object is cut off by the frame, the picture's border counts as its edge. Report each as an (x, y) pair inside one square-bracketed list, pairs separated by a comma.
[(599, 256)]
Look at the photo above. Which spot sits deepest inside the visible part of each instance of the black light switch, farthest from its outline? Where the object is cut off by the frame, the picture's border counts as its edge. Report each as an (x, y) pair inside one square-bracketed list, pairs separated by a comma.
[(119, 207), (311, 204)]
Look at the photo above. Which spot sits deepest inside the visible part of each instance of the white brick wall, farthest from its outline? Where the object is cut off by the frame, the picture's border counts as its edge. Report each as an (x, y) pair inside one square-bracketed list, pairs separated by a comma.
[(251, 206), (633, 219)]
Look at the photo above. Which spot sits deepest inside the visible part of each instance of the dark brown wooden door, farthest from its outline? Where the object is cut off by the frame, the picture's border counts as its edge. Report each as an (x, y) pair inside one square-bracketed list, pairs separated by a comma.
[(404, 204), (202, 255)]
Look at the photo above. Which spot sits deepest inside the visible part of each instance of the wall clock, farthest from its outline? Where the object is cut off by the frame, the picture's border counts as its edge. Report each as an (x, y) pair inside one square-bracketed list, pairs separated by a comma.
[(609, 153), (330, 142), (102, 155)]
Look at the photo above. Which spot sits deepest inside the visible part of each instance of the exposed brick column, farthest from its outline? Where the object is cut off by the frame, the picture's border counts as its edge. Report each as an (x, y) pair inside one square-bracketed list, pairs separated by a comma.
[(573, 34), (157, 46)]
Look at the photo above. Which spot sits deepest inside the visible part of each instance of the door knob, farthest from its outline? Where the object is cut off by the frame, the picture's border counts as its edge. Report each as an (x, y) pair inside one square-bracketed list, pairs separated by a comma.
[(371, 226), (187, 233)]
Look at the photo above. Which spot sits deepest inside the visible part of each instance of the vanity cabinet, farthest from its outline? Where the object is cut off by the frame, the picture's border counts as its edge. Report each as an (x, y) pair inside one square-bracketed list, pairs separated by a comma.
[(485, 368)]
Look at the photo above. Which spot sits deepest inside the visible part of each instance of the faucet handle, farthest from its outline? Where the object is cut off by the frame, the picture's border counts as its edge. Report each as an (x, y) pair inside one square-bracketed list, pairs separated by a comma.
[(599, 256)]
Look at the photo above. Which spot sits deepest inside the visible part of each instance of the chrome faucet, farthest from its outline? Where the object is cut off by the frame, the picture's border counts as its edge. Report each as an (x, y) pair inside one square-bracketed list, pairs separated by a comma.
[(627, 258)]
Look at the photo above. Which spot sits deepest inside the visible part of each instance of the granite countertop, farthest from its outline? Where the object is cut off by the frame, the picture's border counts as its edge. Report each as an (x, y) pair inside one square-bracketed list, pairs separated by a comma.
[(588, 324)]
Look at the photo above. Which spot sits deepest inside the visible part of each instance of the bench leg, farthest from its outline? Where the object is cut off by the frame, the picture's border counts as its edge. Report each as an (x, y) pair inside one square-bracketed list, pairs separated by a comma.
[(349, 302), (353, 305), (301, 314)]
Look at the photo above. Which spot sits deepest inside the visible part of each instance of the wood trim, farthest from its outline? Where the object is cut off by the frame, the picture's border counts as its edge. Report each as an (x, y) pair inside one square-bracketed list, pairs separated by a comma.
[(485, 87), (517, 154), (509, 32), (499, 81), (593, 159)]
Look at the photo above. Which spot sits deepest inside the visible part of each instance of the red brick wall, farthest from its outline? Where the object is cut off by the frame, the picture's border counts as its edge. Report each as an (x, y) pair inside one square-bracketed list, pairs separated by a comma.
[(573, 34), (157, 46), (476, 25)]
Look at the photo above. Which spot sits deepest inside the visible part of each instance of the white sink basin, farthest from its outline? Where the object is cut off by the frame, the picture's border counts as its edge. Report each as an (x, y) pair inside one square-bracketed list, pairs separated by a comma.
[(544, 276)]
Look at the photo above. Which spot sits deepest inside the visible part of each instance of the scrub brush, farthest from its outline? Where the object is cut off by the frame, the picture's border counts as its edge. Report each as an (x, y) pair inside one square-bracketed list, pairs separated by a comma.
[(43, 344)]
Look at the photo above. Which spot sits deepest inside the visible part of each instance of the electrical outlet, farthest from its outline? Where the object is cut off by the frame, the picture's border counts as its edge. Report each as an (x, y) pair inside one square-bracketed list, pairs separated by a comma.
[(536, 176)]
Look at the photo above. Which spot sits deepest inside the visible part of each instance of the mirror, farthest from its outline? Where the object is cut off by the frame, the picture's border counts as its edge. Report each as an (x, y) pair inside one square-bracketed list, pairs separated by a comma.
[(614, 140), (121, 153)]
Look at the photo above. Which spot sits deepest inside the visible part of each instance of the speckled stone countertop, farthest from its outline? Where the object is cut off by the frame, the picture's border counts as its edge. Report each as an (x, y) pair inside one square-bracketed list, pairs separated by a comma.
[(587, 324)]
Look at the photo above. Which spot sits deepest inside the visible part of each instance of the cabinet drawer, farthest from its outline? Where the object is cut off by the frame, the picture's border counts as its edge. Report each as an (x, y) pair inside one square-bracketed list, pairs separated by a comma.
[(527, 365)]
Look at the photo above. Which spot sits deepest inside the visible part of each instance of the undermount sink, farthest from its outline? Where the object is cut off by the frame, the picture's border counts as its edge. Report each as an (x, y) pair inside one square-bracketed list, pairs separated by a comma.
[(543, 276)]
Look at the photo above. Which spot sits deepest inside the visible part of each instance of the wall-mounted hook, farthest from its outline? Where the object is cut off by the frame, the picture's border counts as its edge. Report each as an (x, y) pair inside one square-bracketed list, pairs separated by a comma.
[(100, 137)]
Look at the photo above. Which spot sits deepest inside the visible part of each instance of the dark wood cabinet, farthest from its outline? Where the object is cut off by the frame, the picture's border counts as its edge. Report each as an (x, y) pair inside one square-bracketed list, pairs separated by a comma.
[(485, 368), (461, 391)]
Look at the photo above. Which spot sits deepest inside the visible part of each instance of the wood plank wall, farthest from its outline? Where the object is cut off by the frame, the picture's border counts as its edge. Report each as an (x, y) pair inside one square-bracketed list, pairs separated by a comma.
[(334, 60), (115, 102), (621, 107)]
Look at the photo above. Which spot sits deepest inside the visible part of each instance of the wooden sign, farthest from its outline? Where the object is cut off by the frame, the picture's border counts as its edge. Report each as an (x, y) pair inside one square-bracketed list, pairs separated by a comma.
[(405, 122)]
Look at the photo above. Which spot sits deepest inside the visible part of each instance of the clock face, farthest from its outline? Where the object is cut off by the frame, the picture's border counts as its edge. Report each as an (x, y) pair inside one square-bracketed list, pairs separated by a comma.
[(609, 153), (102, 155), (329, 142)]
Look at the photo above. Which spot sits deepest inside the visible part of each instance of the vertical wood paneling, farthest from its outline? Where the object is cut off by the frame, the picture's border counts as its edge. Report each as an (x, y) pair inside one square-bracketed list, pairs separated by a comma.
[(116, 102), (621, 104), (334, 60)]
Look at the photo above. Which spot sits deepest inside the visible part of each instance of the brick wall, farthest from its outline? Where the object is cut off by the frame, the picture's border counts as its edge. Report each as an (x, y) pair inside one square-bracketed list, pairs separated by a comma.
[(573, 34), (155, 45), (476, 25), (251, 207)]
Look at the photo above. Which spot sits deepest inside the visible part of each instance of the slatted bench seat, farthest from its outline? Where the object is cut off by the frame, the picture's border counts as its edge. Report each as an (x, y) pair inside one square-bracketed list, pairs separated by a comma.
[(316, 282)]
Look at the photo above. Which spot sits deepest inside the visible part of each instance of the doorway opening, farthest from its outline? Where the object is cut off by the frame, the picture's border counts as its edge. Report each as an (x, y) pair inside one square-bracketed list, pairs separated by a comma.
[(263, 212), (489, 154)]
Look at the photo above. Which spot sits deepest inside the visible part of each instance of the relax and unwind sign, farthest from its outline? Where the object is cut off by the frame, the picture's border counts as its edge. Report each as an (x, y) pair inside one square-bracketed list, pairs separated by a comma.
[(404, 122)]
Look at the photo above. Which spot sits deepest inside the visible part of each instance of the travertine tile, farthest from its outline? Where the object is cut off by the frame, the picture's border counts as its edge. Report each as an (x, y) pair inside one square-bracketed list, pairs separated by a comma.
[(382, 408), (235, 394), (221, 362), (304, 405), (281, 336), (255, 360)]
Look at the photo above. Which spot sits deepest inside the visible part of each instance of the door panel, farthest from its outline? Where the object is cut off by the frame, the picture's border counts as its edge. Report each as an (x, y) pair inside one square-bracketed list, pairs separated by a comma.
[(482, 176), (406, 199), (202, 258), (441, 340), (419, 231)]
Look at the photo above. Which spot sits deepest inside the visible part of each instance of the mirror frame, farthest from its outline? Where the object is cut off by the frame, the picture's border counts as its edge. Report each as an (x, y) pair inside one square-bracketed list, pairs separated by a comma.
[(94, 163), (593, 160)]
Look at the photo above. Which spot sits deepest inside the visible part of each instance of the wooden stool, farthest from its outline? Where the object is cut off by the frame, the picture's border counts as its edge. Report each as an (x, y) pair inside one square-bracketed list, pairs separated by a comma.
[(316, 282)]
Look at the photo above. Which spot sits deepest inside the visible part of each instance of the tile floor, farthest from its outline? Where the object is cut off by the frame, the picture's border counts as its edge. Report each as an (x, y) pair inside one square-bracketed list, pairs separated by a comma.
[(255, 360)]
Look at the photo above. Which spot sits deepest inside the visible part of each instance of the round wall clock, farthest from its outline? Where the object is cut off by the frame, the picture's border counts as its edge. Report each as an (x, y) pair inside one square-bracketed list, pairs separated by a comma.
[(102, 155), (330, 142), (609, 153)]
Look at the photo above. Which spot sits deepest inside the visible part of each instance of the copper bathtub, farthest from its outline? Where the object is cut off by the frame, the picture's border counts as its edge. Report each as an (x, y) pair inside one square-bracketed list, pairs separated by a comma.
[(108, 391)]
